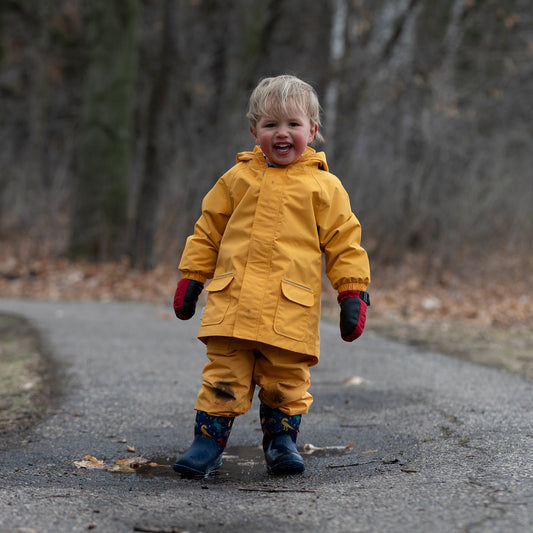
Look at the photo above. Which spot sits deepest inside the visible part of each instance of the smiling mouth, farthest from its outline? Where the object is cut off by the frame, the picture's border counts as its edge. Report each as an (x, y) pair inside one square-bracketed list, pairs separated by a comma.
[(282, 148)]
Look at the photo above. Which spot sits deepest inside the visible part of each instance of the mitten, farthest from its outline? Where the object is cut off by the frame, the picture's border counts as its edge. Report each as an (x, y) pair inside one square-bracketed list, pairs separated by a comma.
[(353, 313), (186, 296)]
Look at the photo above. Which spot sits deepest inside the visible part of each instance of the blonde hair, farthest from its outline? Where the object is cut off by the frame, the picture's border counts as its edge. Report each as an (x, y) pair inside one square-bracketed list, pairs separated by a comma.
[(280, 95)]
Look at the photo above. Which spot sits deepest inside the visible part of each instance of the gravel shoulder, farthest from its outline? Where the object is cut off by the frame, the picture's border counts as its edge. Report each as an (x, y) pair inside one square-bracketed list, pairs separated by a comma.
[(25, 376), (501, 346)]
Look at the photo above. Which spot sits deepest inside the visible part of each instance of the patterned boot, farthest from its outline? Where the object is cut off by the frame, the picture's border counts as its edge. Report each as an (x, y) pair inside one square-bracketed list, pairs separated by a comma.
[(205, 454), (279, 441)]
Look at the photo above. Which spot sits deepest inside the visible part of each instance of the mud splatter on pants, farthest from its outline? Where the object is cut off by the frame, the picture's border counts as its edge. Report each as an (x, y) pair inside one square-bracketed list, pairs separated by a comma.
[(237, 366)]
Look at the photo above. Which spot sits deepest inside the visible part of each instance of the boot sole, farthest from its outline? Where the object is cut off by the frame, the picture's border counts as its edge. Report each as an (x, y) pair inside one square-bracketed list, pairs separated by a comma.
[(193, 473), (189, 472), (286, 468)]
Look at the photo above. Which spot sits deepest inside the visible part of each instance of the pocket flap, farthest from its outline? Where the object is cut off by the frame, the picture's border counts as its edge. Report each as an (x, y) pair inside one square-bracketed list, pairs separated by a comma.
[(220, 283), (297, 293)]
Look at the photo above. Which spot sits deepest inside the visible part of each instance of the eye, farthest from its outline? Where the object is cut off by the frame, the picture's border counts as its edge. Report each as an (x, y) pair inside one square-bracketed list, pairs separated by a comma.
[(294, 124)]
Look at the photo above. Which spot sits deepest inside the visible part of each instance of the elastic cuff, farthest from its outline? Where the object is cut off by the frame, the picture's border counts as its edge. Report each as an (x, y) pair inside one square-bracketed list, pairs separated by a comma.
[(352, 287), (196, 276)]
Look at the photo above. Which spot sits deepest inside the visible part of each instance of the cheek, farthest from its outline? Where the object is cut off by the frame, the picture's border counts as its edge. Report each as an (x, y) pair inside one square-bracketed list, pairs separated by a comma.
[(303, 141), (263, 138)]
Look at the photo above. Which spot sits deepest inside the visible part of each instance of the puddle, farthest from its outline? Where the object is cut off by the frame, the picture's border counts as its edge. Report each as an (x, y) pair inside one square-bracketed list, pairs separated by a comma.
[(242, 461), (238, 462)]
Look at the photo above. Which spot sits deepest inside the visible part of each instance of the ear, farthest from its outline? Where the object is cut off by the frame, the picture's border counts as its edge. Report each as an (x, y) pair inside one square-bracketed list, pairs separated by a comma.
[(312, 133), (252, 131)]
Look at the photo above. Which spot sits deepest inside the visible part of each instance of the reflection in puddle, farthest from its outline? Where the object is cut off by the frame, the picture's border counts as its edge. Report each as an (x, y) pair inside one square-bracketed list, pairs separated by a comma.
[(242, 461)]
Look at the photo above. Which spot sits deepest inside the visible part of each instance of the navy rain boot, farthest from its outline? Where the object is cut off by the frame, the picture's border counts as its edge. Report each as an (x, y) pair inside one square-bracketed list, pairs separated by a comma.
[(279, 441), (205, 453)]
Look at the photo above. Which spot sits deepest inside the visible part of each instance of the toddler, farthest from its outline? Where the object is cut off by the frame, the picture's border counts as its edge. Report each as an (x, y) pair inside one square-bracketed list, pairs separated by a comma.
[(260, 238)]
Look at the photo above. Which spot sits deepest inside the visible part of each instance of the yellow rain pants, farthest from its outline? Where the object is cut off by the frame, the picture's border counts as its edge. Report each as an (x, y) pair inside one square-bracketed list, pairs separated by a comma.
[(236, 366)]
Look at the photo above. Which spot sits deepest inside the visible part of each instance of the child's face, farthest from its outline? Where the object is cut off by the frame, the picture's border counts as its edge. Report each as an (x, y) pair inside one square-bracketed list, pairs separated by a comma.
[(283, 139)]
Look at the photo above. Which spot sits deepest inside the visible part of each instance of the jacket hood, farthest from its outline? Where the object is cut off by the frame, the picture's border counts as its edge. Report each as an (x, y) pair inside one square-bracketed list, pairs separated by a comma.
[(310, 157)]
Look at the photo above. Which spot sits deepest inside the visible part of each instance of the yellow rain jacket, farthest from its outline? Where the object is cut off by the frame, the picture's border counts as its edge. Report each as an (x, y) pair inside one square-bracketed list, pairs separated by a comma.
[(260, 237)]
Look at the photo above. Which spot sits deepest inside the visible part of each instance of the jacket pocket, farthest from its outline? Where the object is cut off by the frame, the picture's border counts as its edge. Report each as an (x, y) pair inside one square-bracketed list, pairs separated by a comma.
[(294, 309), (218, 299)]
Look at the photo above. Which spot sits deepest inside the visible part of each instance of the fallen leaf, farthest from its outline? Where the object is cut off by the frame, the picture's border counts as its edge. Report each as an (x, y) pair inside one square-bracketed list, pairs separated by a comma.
[(128, 465), (131, 449), (356, 380), (90, 462)]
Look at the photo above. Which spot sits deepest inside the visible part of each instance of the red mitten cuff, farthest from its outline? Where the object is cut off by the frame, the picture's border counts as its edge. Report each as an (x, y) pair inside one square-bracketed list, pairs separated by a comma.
[(353, 313), (185, 298)]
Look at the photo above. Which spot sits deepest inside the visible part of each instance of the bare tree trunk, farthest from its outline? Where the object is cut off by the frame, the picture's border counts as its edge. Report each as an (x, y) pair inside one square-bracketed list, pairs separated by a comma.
[(145, 224), (3, 6), (427, 116), (100, 207), (34, 190), (337, 50)]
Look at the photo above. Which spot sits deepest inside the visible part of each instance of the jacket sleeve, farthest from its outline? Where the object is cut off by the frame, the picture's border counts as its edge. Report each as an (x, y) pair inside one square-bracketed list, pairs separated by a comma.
[(199, 257), (339, 232)]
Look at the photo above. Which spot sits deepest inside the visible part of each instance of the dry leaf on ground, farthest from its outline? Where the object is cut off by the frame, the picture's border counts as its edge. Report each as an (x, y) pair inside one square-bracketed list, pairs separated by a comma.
[(128, 465)]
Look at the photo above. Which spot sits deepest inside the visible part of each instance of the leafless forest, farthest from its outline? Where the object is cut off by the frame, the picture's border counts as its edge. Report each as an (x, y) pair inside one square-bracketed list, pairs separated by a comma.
[(116, 116)]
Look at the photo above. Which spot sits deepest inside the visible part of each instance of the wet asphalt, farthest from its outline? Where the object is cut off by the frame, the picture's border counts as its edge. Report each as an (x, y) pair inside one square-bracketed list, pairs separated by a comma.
[(397, 440)]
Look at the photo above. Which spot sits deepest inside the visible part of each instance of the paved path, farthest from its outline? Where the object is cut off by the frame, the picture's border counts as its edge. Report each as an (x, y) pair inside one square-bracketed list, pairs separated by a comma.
[(414, 442)]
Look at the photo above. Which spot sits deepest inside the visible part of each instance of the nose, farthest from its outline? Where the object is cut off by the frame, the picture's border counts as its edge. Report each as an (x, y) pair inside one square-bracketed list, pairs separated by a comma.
[(282, 131)]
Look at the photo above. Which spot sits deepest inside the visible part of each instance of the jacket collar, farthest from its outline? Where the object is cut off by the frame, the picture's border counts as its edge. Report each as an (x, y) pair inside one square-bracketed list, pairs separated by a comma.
[(310, 157)]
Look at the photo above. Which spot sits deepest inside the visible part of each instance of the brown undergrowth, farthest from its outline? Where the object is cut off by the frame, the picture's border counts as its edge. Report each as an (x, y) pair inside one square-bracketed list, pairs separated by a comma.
[(481, 310)]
